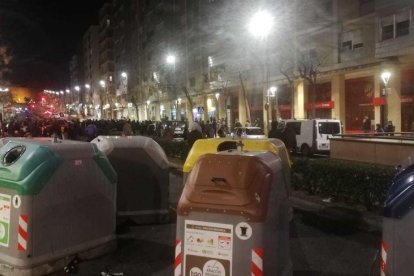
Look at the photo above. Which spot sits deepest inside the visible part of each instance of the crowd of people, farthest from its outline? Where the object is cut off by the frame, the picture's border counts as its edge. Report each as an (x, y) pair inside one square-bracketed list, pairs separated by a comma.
[(74, 129)]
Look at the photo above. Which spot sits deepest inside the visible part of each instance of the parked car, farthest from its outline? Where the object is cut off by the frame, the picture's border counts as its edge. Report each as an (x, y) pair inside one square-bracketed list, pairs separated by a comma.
[(248, 132)]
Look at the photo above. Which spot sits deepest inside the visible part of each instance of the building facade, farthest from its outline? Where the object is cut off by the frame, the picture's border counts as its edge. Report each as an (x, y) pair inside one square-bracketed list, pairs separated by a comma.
[(325, 58)]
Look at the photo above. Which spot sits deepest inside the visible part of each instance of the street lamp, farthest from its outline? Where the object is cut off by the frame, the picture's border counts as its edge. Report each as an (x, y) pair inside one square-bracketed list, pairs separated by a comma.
[(170, 59), (102, 83), (124, 76), (260, 26), (385, 76), (146, 109), (270, 94)]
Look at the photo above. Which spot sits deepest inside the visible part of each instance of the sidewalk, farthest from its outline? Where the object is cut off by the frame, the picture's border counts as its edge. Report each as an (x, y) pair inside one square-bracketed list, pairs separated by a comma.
[(358, 216)]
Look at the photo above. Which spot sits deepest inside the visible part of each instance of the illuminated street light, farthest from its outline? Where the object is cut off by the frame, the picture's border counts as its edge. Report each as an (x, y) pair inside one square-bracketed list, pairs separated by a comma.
[(77, 88), (87, 86), (67, 91), (102, 83), (124, 75), (385, 76), (261, 24), (170, 59)]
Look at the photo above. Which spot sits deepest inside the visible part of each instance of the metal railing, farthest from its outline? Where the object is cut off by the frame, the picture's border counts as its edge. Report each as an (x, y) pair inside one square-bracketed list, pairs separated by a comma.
[(388, 137)]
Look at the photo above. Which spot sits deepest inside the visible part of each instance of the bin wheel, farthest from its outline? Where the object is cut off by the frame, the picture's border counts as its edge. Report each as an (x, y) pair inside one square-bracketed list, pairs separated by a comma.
[(306, 151)]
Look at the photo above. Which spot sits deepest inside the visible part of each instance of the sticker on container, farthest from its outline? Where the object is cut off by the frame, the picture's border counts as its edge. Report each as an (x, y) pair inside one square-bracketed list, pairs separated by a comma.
[(17, 201), (208, 248), (243, 231), (5, 207)]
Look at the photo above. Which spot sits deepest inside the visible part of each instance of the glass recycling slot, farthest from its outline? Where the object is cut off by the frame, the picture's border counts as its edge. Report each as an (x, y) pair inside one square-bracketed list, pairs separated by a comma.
[(13, 155)]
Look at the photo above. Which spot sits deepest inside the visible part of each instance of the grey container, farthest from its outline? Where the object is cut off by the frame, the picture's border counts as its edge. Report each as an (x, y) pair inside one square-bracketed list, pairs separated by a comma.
[(143, 177), (57, 200), (233, 216)]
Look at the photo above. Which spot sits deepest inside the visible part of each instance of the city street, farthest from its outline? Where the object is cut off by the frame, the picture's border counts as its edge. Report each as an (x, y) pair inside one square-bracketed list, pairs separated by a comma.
[(318, 247)]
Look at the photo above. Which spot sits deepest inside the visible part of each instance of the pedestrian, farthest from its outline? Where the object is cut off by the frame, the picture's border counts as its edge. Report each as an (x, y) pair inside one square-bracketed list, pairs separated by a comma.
[(91, 131), (275, 131), (127, 129), (194, 134), (379, 131), (389, 129), (366, 125), (289, 135)]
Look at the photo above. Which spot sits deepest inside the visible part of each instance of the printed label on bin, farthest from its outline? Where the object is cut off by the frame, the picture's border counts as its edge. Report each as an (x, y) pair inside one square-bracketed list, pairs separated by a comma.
[(5, 207), (208, 248)]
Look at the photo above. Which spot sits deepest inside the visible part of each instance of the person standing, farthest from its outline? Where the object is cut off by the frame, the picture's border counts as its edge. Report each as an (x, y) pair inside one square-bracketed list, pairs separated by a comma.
[(194, 134), (366, 125)]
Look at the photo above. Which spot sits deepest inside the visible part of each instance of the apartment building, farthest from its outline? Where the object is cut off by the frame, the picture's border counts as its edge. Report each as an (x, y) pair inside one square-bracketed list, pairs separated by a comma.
[(91, 71), (325, 57)]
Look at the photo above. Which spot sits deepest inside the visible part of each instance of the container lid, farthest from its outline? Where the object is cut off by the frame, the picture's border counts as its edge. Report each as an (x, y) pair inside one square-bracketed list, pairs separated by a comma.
[(203, 146), (235, 183), (107, 144)]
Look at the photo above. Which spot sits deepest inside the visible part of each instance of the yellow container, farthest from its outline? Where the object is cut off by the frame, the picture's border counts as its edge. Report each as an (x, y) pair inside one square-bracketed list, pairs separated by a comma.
[(204, 146)]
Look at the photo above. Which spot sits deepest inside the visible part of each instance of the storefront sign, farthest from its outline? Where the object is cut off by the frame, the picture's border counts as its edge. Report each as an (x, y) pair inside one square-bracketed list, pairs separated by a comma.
[(407, 99), (321, 105), (378, 101)]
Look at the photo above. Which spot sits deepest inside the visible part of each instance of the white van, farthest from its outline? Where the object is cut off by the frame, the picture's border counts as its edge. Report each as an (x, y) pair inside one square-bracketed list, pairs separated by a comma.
[(312, 136)]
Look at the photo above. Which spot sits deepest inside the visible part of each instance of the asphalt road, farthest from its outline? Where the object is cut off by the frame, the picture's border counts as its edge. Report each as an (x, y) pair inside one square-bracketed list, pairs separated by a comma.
[(318, 247)]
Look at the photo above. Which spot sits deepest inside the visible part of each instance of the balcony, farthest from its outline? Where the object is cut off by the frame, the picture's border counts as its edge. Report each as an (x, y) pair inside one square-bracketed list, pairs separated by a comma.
[(398, 46)]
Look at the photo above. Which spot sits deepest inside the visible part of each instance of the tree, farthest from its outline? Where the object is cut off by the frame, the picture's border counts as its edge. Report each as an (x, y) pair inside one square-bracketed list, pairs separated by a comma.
[(308, 68)]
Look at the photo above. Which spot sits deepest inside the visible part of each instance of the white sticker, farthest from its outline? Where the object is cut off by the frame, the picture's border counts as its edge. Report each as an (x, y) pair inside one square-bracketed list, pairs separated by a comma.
[(243, 231), (213, 268), (16, 201), (208, 248)]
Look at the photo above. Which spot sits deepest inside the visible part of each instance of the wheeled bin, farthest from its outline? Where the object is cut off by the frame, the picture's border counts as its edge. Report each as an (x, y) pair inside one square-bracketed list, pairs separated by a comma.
[(143, 177), (398, 226), (57, 200), (233, 217)]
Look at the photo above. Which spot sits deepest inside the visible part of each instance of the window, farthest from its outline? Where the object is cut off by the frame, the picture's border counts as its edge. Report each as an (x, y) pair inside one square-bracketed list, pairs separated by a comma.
[(347, 45), (358, 45), (396, 25), (329, 128), (387, 32), (403, 28)]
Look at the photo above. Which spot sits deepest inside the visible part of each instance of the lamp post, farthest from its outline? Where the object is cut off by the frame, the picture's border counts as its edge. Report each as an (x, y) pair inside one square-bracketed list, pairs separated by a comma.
[(178, 110), (171, 59), (146, 109), (385, 76), (260, 26), (217, 95), (124, 76), (102, 83)]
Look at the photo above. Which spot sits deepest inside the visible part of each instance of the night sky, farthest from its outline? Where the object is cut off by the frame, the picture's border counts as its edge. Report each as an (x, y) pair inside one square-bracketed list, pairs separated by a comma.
[(42, 36)]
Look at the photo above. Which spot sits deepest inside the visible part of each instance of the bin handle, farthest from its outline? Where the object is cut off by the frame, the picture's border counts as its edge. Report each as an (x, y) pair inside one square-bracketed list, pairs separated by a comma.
[(219, 180)]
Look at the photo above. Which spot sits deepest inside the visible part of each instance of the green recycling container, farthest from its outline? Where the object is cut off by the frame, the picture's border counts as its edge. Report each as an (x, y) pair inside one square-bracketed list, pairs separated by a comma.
[(57, 200)]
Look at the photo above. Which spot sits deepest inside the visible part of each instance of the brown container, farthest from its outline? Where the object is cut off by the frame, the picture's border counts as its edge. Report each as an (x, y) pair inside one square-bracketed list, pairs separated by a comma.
[(231, 184), (234, 211)]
